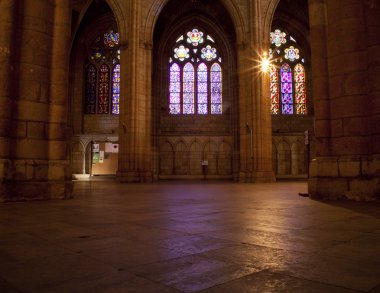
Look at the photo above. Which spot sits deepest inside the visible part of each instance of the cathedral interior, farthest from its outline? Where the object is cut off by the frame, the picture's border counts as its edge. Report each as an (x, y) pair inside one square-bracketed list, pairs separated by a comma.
[(187, 146)]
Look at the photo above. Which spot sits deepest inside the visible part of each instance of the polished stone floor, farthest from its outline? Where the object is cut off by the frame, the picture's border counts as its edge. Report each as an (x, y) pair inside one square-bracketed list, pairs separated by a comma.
[(189, 237)]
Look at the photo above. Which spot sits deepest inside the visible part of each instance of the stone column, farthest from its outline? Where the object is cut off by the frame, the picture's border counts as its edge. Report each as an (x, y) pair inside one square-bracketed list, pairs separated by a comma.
[(135, 107), (345, 166), (28, 172), (59, 174), (8, 16), (254, 106)]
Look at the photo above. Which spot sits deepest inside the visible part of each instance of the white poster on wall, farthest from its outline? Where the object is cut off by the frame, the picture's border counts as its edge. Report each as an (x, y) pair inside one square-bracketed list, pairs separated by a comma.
[(111, 147)]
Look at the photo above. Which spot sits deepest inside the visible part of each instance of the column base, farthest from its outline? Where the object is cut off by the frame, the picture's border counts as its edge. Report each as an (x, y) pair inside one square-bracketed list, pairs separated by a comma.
[(350, 178), (256, 177), (134, 176)]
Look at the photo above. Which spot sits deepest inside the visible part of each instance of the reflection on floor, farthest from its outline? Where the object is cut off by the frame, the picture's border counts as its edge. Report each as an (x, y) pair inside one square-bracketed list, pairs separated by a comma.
[(189, 237)]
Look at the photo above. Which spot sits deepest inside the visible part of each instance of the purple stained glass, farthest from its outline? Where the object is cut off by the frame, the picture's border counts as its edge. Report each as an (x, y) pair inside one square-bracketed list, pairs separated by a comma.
[(116, 89), (188, 89), (174, 98), (90, 97), (188, 108), (103, 89), (175, 109), (111, 38), (202, 109), (287, 109), (286, 89), (202, 88), (216, 108), (216, 89), (174, 89), (202, 98)]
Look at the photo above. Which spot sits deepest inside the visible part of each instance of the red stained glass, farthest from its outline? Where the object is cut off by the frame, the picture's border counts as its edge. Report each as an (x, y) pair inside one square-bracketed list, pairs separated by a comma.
[(300, 89), (103, 89), (90, 96)]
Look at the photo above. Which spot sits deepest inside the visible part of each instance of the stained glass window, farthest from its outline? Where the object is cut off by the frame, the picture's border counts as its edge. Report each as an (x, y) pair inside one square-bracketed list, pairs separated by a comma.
[(300, 89), (195, 77), (103, 90), (90, 99), (216, 89), (174, 89), (111, 38), (102, 75), (202, 89), (287, 90), (188, 89), (115, 89), (274, 90)]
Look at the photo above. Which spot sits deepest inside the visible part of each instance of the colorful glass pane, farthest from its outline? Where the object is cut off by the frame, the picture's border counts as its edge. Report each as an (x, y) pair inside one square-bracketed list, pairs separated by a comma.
[(277, 38), (300, 89), (97, 54), (103, 89), (208, 53), (286, 89), (111, 38), (195, 37), (216, 89), (115, 89), (291, 53), (274, 90), (181, 53), (188, 89), (90, 97), (174, 89), (202, 88)]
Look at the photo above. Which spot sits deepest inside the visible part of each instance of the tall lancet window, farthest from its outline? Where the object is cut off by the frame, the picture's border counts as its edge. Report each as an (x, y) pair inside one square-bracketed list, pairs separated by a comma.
[(102, 75), (287, 76), (195, 75)]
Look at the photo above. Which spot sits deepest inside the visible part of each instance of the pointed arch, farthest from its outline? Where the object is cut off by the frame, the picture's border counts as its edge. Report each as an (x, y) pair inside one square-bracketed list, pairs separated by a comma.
[(188, 88), (216, 89), (202, 89)]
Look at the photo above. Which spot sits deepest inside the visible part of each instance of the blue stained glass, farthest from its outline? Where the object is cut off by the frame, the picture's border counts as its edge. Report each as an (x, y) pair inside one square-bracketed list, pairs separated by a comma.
[(287, 99), (202, 109), (174, 89), (202, 98), (188, 108), (188, 87), (286, 88), (287, 109), (188, 98), (174, 109), (115, 89), (202, 87), (216, 108), (174, 98), (90, 101)]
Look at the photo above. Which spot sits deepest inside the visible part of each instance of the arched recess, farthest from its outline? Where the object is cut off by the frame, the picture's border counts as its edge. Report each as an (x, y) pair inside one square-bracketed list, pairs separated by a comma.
[(274, 159), (210, 154), (195, 158), (181, 159), (298, 158), (97, 18), (158, 5), (224, 159), (176, 19), (166, 159), (284, 158)]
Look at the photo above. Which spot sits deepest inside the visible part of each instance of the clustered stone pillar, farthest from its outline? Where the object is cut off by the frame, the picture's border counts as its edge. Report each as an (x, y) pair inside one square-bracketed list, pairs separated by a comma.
[(254, 116), (135, 110), (345, 88), (36, 166)]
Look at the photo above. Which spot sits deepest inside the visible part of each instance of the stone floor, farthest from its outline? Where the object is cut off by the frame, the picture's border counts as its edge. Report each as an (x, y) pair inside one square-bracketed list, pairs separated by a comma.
[(189, 237)]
